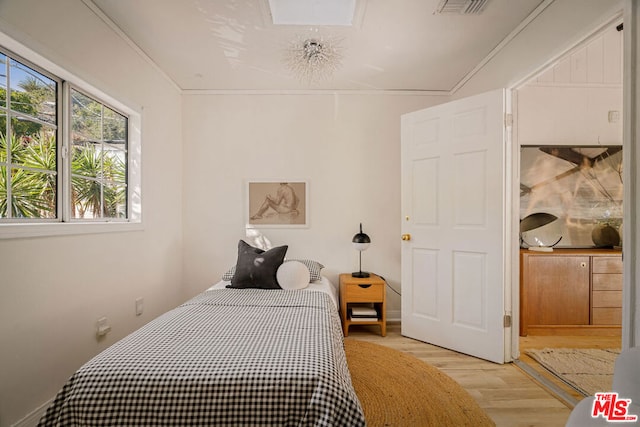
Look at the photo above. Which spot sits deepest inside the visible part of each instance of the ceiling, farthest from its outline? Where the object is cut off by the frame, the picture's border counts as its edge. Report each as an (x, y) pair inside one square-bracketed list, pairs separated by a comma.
[(399, 45)]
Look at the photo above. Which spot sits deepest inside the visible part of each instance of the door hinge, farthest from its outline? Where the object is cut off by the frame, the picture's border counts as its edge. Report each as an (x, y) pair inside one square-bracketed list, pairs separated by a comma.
[(506, 322), (508, 119)]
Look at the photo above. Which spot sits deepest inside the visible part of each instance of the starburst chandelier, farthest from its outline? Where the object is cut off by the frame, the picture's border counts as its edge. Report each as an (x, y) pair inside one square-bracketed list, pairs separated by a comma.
[(313, 59)]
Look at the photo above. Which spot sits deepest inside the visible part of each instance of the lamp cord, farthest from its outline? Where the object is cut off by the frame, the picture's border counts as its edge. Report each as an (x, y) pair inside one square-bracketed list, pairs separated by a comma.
[(390, 287)]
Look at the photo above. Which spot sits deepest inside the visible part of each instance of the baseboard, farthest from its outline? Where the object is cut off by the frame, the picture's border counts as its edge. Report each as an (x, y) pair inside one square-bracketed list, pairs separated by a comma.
[(394, 315), (32, 418)]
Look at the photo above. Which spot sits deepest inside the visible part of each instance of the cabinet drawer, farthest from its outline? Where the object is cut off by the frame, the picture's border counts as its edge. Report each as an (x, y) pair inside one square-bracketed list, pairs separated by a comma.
[(607, 264), (606, 299), (363, 292), (606, 316), (607, 282)]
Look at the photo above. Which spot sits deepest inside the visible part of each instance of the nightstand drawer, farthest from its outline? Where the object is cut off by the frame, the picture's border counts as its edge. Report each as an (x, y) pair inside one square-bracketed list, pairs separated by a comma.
[(364, 292)]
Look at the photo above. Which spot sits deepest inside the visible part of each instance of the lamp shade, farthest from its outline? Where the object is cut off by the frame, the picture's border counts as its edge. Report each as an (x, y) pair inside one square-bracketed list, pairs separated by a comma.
[(536, 220), (540, 231), (361, 241)]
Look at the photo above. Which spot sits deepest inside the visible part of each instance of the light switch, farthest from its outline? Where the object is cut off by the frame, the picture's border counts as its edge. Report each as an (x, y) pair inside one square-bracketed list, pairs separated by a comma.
[(614, 116)]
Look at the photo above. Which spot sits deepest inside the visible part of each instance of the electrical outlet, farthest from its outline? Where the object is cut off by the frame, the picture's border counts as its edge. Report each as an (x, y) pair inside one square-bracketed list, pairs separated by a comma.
[(139, 306), (102, 327)]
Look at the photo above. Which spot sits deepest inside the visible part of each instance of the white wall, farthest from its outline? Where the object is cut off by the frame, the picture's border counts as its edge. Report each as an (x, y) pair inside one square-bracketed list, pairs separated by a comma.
[(346, 146), (52, 290)]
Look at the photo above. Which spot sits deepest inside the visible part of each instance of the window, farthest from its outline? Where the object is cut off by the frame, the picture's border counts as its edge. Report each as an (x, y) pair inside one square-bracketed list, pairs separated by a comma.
[(98, 159), (66, 151), (28, 142)]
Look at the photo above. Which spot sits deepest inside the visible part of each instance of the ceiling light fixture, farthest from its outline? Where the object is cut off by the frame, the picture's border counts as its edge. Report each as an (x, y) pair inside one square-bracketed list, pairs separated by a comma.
[(314, 58)]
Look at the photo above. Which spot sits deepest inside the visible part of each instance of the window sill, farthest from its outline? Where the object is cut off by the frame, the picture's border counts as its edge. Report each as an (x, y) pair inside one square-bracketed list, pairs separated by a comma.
[(22, 231)]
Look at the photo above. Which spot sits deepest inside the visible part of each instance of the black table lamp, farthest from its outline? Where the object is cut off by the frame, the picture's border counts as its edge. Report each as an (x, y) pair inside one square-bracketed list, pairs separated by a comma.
[(360, 242), (533, 222)]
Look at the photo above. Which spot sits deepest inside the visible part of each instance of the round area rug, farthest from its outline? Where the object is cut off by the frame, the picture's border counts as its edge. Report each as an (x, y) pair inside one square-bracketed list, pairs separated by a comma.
[(397, 389)]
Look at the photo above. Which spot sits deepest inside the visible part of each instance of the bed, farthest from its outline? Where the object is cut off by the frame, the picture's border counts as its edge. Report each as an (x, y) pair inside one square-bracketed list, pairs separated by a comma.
[(228, 357)]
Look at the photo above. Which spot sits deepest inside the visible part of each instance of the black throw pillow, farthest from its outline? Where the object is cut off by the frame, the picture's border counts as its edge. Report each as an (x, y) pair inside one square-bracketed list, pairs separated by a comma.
[(256, 268)]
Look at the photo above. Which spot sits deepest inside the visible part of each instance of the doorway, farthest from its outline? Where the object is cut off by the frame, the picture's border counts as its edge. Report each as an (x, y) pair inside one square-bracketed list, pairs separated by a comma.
[(570, 116)]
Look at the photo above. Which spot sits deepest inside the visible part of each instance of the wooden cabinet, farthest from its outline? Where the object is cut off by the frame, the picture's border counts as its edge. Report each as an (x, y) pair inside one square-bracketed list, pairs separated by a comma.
[(362, 291), (570, 288)]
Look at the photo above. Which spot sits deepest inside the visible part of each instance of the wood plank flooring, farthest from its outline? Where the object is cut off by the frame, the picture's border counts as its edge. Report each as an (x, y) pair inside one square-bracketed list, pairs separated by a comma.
[(508, 395)]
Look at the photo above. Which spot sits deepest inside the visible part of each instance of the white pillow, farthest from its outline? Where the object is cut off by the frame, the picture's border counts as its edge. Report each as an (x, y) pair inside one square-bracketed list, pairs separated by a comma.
[(293, 275)]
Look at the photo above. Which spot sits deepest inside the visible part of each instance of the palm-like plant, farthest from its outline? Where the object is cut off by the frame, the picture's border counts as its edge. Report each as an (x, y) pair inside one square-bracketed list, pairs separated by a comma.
[(40, 154), (32, 192), (26, 199), (86, 194), (115, 192), (98, 182)]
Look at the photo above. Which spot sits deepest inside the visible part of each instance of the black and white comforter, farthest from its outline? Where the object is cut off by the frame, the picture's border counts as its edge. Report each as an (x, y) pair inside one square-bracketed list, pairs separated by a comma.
[(241, 357)]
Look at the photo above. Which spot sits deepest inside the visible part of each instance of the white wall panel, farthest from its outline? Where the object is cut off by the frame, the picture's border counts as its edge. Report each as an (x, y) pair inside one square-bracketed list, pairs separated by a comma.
[(595, 63), (612, 57)]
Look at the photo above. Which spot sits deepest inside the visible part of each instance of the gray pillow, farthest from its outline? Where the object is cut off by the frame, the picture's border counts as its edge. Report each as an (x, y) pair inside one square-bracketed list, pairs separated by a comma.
[(256, 268)]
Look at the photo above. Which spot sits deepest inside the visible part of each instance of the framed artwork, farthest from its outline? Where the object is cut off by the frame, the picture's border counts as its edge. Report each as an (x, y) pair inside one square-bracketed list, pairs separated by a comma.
[(580, 185), (277, 204)]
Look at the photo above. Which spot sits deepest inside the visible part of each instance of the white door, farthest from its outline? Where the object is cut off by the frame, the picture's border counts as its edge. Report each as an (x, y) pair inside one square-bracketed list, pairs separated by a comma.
[(455, 191)]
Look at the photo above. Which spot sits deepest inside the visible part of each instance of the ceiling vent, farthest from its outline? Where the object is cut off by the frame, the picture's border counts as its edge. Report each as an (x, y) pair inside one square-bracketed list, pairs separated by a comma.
[(460, 7)]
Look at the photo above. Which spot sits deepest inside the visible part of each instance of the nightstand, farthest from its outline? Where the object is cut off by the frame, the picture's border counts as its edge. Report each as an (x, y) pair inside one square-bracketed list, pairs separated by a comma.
[(364, 294)]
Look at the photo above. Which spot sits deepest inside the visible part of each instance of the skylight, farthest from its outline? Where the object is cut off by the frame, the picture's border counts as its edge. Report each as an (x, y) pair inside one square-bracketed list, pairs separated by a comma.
[(313, 12)]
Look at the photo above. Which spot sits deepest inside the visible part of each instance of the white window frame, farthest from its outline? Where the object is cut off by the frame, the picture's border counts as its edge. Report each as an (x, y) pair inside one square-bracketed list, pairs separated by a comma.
[(64, 225)]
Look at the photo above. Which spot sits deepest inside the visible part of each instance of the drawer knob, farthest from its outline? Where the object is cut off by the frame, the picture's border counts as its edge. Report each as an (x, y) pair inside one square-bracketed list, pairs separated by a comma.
[(364, 285), (406, 237), (583, 264)]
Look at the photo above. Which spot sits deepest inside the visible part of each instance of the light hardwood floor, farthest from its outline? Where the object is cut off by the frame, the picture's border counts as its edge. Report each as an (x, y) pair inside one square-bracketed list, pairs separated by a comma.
[(508, 395)]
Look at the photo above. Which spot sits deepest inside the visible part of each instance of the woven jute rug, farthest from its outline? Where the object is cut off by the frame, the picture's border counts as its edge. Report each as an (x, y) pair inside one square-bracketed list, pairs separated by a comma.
[(397, 389), (587, 370)]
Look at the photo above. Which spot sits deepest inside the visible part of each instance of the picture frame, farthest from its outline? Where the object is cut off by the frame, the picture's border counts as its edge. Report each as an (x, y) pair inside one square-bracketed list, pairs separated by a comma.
[(581, 185), (277, 204)]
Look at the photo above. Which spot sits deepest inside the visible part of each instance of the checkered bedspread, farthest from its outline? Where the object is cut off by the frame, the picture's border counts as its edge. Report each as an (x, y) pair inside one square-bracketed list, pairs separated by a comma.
[(227, 357)]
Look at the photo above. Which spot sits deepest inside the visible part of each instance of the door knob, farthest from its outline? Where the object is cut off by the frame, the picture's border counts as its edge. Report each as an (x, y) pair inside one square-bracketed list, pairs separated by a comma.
[(406, 237)]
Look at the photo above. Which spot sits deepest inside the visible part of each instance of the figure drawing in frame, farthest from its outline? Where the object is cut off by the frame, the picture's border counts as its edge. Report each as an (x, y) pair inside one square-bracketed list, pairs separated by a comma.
[(277, 203)]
